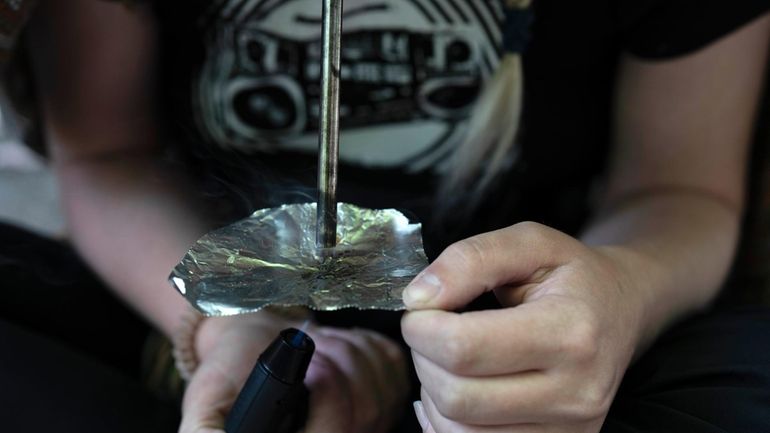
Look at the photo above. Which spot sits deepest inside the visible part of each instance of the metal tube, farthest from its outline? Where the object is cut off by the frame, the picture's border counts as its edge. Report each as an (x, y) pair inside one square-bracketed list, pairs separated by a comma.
[(328, 134)]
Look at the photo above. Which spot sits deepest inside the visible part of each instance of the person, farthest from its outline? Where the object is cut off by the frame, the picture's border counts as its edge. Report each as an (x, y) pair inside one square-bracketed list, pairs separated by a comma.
[(144, 107)]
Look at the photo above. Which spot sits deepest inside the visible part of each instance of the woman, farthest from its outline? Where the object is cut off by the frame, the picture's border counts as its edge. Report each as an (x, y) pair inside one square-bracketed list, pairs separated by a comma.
[(668, 89)]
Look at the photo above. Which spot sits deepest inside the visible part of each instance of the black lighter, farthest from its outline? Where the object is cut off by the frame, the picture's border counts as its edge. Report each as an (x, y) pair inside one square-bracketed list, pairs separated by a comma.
[(274, 398)]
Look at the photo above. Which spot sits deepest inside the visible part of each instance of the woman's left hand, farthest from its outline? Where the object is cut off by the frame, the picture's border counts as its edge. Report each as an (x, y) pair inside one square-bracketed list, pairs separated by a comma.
[(551, 361)]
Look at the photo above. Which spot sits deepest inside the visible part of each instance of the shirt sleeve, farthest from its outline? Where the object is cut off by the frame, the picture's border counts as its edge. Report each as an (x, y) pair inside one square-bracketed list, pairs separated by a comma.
[(660, 29)]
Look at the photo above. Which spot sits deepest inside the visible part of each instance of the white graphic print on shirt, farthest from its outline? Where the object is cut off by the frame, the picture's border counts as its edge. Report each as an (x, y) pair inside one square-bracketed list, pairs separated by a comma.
[(411, 70)]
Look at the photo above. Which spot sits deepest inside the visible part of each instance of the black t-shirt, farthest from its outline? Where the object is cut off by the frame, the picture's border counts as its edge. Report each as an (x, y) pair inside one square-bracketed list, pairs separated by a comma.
[(239, 79)]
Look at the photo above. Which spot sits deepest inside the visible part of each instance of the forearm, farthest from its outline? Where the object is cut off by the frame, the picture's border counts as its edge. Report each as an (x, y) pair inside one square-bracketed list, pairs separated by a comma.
[(129, 215), (132, 221), (676, 176), (675, 246)]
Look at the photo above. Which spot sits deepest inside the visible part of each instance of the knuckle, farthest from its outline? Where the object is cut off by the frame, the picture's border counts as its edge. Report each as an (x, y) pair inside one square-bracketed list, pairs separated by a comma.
[(324, 371), (394, 354), (591, 402), (359, 338), (391, 351), (340, 349), (451, 402), (468, 251), (581, 342), (535, 231), (458, 352), (458, 359), (350, 352)]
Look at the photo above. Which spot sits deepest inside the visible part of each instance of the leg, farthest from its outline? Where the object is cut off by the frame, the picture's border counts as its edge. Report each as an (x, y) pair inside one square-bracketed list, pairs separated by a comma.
[(47, 387), (709, 374)]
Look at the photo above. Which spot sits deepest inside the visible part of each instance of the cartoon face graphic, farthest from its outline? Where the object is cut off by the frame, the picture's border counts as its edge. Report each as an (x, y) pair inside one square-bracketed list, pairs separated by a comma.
[(411, 70)]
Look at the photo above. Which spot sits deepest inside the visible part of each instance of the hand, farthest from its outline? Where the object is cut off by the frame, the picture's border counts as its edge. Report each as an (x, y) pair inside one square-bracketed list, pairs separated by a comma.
[(357, 378), (551, 361)]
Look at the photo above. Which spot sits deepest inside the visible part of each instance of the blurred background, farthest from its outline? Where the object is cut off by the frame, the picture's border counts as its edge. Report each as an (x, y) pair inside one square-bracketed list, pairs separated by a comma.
[(28, 195)]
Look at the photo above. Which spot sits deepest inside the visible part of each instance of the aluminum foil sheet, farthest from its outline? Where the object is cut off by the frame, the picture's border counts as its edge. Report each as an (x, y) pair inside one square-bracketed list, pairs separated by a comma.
[(270, 258)]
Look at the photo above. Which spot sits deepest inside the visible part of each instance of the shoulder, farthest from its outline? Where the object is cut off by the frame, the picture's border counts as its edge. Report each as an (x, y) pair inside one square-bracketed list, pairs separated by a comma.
[(671, 28)]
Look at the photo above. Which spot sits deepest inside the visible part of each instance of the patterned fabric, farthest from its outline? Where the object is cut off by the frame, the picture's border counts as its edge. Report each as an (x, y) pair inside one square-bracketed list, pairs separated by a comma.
[(411, 71)]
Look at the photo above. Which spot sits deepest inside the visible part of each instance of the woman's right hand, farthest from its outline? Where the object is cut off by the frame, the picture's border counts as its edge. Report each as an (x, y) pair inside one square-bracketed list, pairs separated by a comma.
[(357, 378)]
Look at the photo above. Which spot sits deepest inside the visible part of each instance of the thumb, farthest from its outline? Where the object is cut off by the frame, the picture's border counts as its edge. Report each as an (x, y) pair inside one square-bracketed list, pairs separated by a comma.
[(207, 400), (468, 268)]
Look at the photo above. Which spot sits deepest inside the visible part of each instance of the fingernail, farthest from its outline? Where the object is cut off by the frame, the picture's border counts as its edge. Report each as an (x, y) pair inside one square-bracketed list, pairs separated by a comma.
[(419, 411), (422, 290)]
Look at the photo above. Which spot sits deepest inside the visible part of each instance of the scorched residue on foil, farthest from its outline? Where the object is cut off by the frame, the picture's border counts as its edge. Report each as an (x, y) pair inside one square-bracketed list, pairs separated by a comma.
[(270, 258)]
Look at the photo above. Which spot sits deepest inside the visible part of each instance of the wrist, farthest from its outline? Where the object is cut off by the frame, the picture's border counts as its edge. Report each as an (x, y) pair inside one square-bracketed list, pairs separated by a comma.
[(196, 335), (271, 319), (643, 282)]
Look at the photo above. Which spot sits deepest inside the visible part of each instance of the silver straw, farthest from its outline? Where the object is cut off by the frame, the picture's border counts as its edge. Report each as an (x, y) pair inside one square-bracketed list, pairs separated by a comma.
[(329, 134)]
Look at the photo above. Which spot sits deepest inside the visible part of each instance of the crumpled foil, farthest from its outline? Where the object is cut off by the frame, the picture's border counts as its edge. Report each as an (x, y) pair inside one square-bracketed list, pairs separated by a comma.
[(270, 258)]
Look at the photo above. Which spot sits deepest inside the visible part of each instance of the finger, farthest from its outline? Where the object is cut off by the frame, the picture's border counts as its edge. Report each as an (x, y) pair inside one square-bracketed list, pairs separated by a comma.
[(360, 376), (207, 400), (492, 342), (388, 361), (465, 270), (375, 391), (395, 375), (441, 424), (393, 361), (419, 413), (521, 398), (220, 376), (330, 402)]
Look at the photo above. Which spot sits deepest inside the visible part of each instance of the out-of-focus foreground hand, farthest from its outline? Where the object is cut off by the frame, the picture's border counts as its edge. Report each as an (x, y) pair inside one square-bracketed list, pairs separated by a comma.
[(357, 378), (550, 361)]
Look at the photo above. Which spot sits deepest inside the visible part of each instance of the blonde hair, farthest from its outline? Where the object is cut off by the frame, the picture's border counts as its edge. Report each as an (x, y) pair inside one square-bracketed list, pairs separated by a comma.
[(489, 143)]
